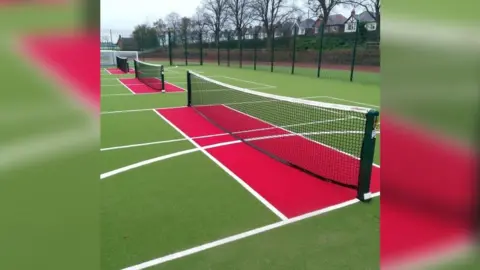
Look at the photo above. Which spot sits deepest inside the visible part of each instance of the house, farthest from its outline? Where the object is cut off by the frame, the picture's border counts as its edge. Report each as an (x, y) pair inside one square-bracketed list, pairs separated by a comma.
[(364, 17), (306, 27), (127, 44), (335, 24)]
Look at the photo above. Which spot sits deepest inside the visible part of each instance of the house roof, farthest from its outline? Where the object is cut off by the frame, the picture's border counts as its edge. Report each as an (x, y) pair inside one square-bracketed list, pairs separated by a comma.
[(336, 19), (365, 17), (332, 20), (126, 41), (308, 23)]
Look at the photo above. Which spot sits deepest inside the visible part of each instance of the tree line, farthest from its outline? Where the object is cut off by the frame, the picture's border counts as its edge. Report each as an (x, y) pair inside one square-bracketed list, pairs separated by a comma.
[(238, 16)]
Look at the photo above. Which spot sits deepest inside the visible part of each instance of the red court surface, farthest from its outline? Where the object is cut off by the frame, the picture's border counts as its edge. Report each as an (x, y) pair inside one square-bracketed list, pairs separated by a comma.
[(289, 190), (138, 87), (116, 71), (53, 54), (428, 192)]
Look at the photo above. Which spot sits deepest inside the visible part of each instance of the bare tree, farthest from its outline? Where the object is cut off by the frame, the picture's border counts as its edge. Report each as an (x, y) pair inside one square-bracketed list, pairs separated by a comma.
[(240, 15), (371, 6), (173, 21), (323, 8), (215, 16), (271, 13), (161, 28), (198, 20)]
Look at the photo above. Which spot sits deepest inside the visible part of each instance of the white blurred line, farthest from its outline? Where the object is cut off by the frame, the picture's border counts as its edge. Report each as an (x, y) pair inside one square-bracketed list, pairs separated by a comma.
[(429, 33), (43, 147), (436, 256), (240, 236)]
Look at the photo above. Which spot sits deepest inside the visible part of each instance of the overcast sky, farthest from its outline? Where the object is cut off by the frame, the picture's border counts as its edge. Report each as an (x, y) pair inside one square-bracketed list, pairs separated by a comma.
[(121, 16)]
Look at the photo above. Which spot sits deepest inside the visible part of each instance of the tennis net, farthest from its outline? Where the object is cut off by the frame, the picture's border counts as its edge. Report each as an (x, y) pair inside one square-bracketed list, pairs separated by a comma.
[(122, 64), (150, 74), (330, 141)]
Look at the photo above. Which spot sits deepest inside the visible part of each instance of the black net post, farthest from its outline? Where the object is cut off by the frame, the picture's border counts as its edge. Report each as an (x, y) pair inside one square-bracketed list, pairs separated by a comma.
[(320, 48), (272, 47), (189, 89), (135, 65), (170, 47), (294, 49), (201, 48), (255, 40), (366, 156), (162, 78), (228, 48), (354, 53)]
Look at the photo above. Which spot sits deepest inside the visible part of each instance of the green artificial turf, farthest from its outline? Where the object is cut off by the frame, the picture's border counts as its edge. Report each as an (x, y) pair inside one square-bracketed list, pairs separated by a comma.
[(182, 202)]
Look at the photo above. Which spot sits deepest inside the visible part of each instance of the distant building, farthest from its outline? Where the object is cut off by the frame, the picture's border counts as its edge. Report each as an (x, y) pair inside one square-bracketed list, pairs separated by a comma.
[(127, 44)]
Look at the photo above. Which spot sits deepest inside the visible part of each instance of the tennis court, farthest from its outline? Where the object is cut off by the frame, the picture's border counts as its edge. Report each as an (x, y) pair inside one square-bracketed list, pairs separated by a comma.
[(180, 193)]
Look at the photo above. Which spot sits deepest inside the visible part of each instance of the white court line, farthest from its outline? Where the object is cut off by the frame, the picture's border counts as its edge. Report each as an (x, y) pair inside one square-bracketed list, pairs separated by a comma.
[(107, 72), (236, 237), (228, 171), (252, 82), (184, 152), (347, 100), (185, 90), (125, 86), (103, 79), (223, 134), (141, 110)]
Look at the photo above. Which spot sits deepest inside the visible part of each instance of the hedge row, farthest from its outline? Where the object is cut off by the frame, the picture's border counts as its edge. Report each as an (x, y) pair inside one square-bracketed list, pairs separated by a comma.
[(364, 57)]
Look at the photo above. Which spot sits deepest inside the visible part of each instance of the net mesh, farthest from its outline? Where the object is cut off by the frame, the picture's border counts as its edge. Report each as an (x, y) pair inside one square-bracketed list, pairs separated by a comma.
[(122, 64), (150, 74), (319, 138)]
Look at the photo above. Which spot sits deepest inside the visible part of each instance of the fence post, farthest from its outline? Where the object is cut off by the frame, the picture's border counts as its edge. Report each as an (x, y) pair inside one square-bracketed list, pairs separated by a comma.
[(201, 49), (241, 47), (170, 47), (295, 29), (185, 45), (320, 48), (354, 53), (255, 40), (228, 48), (272, 47), (217, 38)]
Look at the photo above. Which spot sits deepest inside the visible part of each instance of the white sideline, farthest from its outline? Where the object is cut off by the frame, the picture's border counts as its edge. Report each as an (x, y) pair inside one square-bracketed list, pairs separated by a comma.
[(141, 110), (228, 171), (216, 135), (160, 158), (223, 134), (347, 100), (236, 237), (125, 86), (252, 82)]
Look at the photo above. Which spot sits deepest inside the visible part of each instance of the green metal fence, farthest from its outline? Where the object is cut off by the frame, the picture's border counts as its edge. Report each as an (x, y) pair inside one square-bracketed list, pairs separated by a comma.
[(342, 52)]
